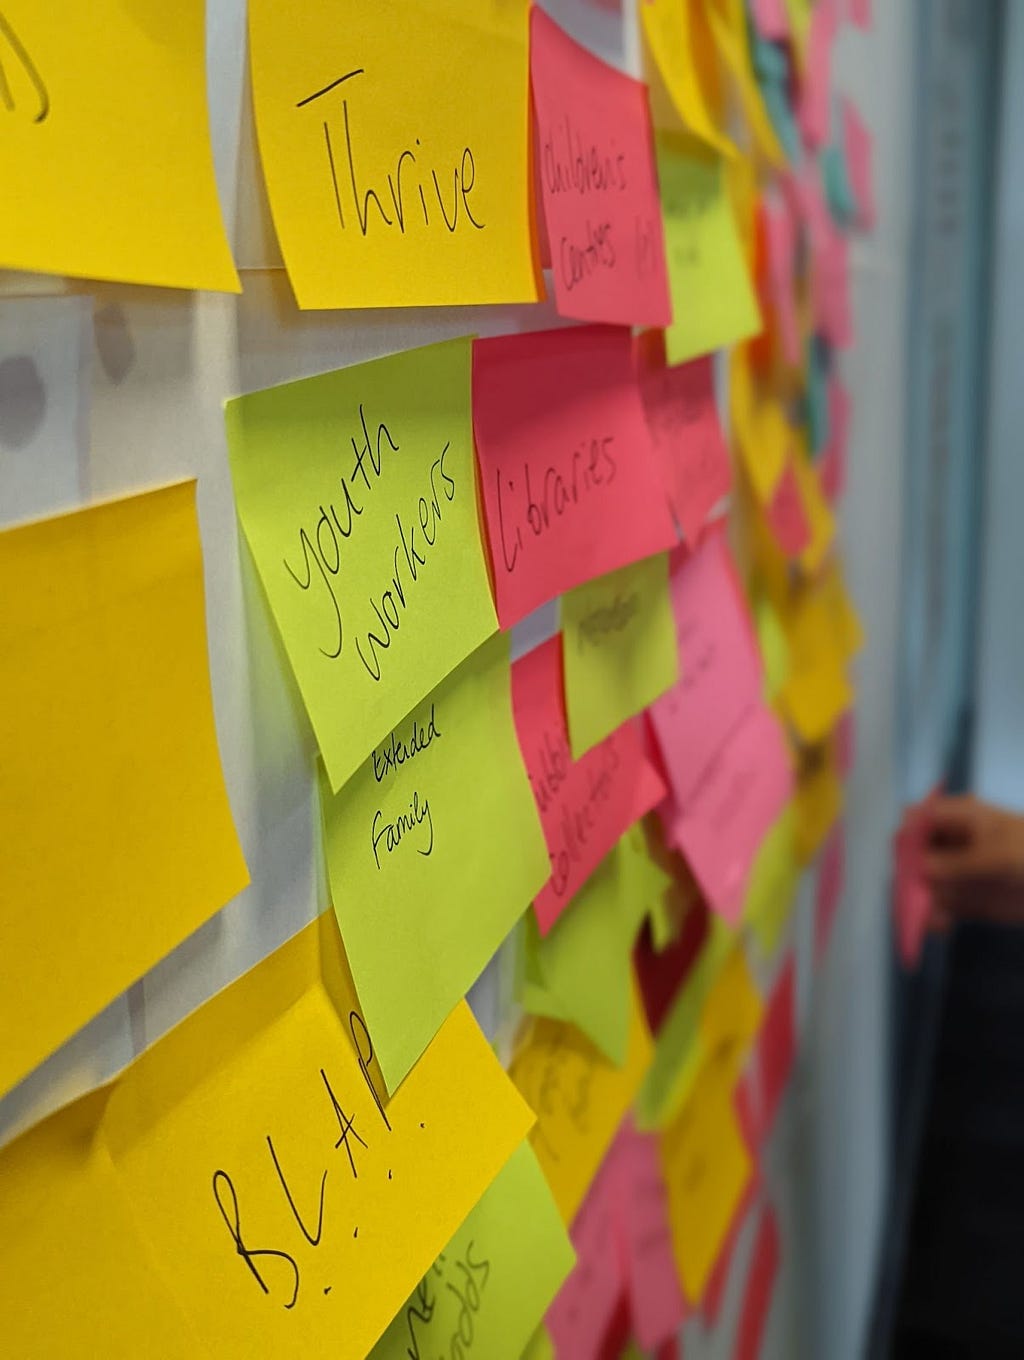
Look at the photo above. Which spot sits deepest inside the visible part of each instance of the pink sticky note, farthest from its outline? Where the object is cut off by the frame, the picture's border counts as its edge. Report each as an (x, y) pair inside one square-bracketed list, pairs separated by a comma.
[(584, 1308), (912, 897), (771, 19), (857, 141), (757, 1296), (780, 238), (786, 515), (776, 1048), (742, 791), (571, 487), (859, 13), (682, 416), (846, 742), (830, 288), (599, 189), (813, 112), (832, 464), (656, 1300), (719, 664), (831, 875), (585, 805)]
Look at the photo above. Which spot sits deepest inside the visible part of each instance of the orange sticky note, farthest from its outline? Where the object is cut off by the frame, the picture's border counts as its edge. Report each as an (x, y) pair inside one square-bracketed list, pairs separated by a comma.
[(571, 489), (116, 831), (599, 190), (585, 805)]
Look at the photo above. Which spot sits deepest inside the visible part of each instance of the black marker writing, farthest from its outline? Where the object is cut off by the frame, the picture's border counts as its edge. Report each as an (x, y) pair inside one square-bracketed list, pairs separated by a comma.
[(591, 467), (395, 751), (221, 1183), (41, 95), (395, 831), (364, 1053)]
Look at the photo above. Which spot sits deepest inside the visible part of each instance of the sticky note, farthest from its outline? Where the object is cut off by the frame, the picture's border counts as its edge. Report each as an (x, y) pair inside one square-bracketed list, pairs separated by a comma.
[(490, 1287), (760, 1285), (656, 1305), (433, 854), (742, 792), (786, 515), (248, 1169), (844, 743), (115, 821), (762, 430), (713, 299), (816, 507), (356, 492), (771, 19), (838, 190), (829, 888), (579, 1099), (819, 801), (912, 895), (583, 1314), (581, 970), (817, 690), (539, 1347), (772, 882), (707, 1167), (394, 142), (682, 416), (857, 142), (686, 64), (618, 649), (830, 288), (780, 239), (775, 1050), (832, 465), (108, 186), (728, 23), (585, 805), (599, 191), (720, 675), (571, 489), (859, 13), (799, 12), (815, 108), (774, 648)]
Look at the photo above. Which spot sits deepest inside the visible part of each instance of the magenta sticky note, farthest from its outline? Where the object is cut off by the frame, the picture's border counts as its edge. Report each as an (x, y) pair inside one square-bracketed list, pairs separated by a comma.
[(814, 107), (581, 1315), (656, 1304), (771, 19), (585, 805), (599, 188), (786, 515), (742, 790), (781, 243), (682, 416), (570, 484), (775, 1050), (760, 1284), (719, 664), (832, 464), (830, 288), (858, 145), (831, 876)]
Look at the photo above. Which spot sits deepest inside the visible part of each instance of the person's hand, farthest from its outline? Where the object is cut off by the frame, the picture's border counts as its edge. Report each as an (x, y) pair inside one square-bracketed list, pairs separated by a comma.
[(973, 860)]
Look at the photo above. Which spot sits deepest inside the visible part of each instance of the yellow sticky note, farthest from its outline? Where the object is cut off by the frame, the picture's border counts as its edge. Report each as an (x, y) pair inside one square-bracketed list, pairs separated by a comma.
[(394, 141), (116, 831), (679, 41), (818, 802), (579, 1099), (771, 640), (799, 13), (728, 22), (817, 691), (248, 1168), (489, 1289), (732, 1012), (107, 165), (713, 299), (357, 494), (581, 970), (771, 887), (433, 853), (763, 433), (841, 609), (618, 647), (706, 1166), (540, 1346), (816, 507)]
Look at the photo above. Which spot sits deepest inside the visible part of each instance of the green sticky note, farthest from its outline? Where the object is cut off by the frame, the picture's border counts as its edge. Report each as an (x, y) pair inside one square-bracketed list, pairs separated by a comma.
[(618, 647), (356, 492), (487, 1292), (713, 299), (434, 849), (771, 887), (678, 1052), (580, 970), (540, 1346), (774, 648)]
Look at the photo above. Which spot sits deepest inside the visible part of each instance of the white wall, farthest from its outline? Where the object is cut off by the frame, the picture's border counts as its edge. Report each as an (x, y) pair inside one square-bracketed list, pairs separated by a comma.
[(132, 384)]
